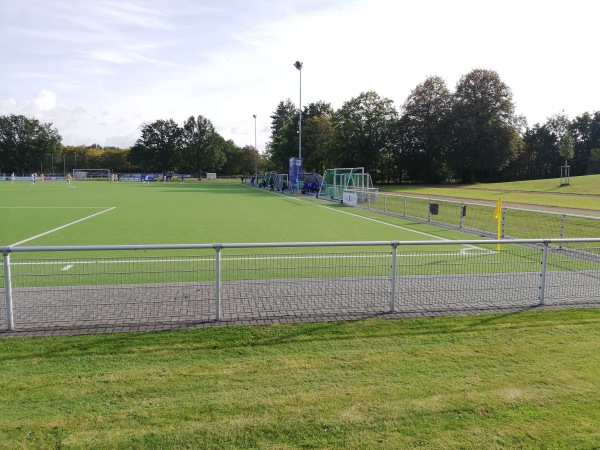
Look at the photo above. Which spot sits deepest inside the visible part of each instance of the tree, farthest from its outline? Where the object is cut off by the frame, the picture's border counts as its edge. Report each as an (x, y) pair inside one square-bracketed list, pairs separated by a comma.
[(539, 157), (159, 147), (585, 130), (284, 137), (26, 145), (240, 160), (201, 146), (424, 137), (559, 127), (485, 136), (363, 127), (317, 136), (317, 140)]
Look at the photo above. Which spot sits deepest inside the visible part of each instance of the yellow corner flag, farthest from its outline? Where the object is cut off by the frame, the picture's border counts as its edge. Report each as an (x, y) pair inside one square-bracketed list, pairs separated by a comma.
[(498, 217)]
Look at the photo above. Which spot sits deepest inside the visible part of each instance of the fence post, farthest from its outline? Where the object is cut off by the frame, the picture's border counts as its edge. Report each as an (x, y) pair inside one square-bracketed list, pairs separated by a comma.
[(393, 278), (462, 211), (543, 273), (218, 249), (562, 228), (503, 223), (429, 211), (405, 207), (385, 203), (10, 325)]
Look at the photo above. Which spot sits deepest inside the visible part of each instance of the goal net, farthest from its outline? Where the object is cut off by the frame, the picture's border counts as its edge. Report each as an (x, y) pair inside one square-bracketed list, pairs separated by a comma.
[(92, 174), (350, 180)]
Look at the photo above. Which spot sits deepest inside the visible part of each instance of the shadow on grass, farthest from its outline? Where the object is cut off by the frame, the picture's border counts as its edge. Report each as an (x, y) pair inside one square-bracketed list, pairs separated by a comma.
[(243, 336)]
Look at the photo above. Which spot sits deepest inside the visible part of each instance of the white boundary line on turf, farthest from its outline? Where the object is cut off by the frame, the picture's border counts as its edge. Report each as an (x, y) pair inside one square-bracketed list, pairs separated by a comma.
[(474, 247), (61, 227), (70, 264)]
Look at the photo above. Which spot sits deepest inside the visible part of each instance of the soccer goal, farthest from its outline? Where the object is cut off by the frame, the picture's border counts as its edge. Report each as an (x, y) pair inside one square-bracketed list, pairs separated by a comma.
[(353, 180), (92, 174)]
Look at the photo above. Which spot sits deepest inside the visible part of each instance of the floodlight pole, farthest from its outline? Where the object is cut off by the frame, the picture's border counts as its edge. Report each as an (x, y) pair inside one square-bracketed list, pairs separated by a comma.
[(256, 150), (298, 65)]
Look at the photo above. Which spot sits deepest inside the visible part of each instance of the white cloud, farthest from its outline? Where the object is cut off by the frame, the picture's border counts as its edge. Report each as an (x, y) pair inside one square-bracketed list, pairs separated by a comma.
[(46, 100)]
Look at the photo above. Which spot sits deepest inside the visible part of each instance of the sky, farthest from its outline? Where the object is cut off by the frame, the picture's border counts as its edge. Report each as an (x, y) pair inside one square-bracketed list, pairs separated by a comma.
[(98, 70)]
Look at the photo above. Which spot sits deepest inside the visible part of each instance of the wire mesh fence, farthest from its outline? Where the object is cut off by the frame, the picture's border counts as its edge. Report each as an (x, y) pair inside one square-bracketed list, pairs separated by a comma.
[(254, 283), (516, 223)]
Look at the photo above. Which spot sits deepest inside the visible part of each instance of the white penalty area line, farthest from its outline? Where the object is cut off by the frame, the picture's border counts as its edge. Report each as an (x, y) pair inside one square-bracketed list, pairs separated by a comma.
[(470, 247), (61, 227)]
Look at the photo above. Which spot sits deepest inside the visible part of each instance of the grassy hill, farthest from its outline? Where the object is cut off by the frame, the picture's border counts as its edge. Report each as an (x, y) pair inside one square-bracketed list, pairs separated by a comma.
[(582, 193)]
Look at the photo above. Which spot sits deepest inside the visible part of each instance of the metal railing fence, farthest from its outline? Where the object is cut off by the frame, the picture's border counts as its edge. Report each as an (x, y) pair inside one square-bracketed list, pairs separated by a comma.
[(295, 281), (516, 222)]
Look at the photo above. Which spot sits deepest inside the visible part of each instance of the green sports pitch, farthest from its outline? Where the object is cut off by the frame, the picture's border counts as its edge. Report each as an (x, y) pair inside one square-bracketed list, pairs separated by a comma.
[(94, 213), (108, 213)]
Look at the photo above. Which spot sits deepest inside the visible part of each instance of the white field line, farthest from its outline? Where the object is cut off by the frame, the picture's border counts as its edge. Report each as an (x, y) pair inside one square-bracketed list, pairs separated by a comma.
[(61, 227), (70, 264), (54, 207), (381, 222)]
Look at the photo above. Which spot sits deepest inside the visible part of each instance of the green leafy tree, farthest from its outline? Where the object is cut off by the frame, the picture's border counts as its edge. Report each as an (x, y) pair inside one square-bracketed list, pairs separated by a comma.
[(317, 136), (317, 139), (594, 161), (585, 130), (485, 135), (202, 146), (233, 155), (159, 147), (363, 130), (540, 156), (26, 145), (559, 125), (425, 125), (284, 137)]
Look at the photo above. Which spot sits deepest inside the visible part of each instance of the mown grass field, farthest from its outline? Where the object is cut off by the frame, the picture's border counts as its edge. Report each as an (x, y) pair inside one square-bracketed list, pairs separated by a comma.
[(522, 381), (582, 193)]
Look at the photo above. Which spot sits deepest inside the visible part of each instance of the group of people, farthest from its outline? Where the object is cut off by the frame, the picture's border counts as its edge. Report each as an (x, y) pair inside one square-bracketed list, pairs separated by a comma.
[(41, 177)]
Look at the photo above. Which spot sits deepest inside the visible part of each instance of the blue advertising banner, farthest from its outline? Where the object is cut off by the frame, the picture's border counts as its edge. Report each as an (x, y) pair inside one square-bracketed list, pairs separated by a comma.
[(295, 170)]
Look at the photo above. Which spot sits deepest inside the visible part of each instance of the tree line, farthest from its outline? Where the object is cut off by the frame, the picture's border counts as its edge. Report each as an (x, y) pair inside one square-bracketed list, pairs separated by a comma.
[(469, 135), (437, 136), (27, 146)]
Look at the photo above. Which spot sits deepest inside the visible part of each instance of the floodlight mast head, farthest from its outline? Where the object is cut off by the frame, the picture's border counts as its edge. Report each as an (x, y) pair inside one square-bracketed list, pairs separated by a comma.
[(298, 65)]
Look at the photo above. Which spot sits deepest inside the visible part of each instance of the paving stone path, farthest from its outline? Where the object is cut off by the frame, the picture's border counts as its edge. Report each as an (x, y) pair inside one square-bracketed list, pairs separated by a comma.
[(103, 309)]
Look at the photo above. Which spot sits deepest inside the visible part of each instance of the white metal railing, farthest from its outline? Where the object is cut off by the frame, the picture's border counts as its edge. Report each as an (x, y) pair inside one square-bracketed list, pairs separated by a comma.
[(520, 223), (398, 272)]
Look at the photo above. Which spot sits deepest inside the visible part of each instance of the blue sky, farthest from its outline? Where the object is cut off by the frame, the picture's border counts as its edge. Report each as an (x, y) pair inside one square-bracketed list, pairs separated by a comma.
[(99, 69)]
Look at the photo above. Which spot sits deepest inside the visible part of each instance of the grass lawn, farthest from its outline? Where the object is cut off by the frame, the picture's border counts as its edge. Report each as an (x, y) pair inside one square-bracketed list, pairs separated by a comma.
[(582, 193), (527, 380)]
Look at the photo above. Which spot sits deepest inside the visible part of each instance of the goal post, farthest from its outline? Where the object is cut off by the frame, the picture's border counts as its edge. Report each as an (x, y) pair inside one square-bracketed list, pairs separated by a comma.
[(92, 175), (352, 180)]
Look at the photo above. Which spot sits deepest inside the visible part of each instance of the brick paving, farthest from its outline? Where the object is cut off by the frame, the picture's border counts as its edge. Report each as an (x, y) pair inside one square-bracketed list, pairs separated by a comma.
[(59, 311)]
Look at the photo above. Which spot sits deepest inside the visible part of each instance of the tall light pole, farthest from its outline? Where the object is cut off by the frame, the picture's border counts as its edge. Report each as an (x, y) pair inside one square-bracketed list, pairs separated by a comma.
[(298, 65), (256, 150)]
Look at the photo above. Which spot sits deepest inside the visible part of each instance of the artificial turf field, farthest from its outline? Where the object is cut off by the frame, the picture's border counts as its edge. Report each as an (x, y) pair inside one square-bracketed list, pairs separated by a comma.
[(104, 213), (107, 213)]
